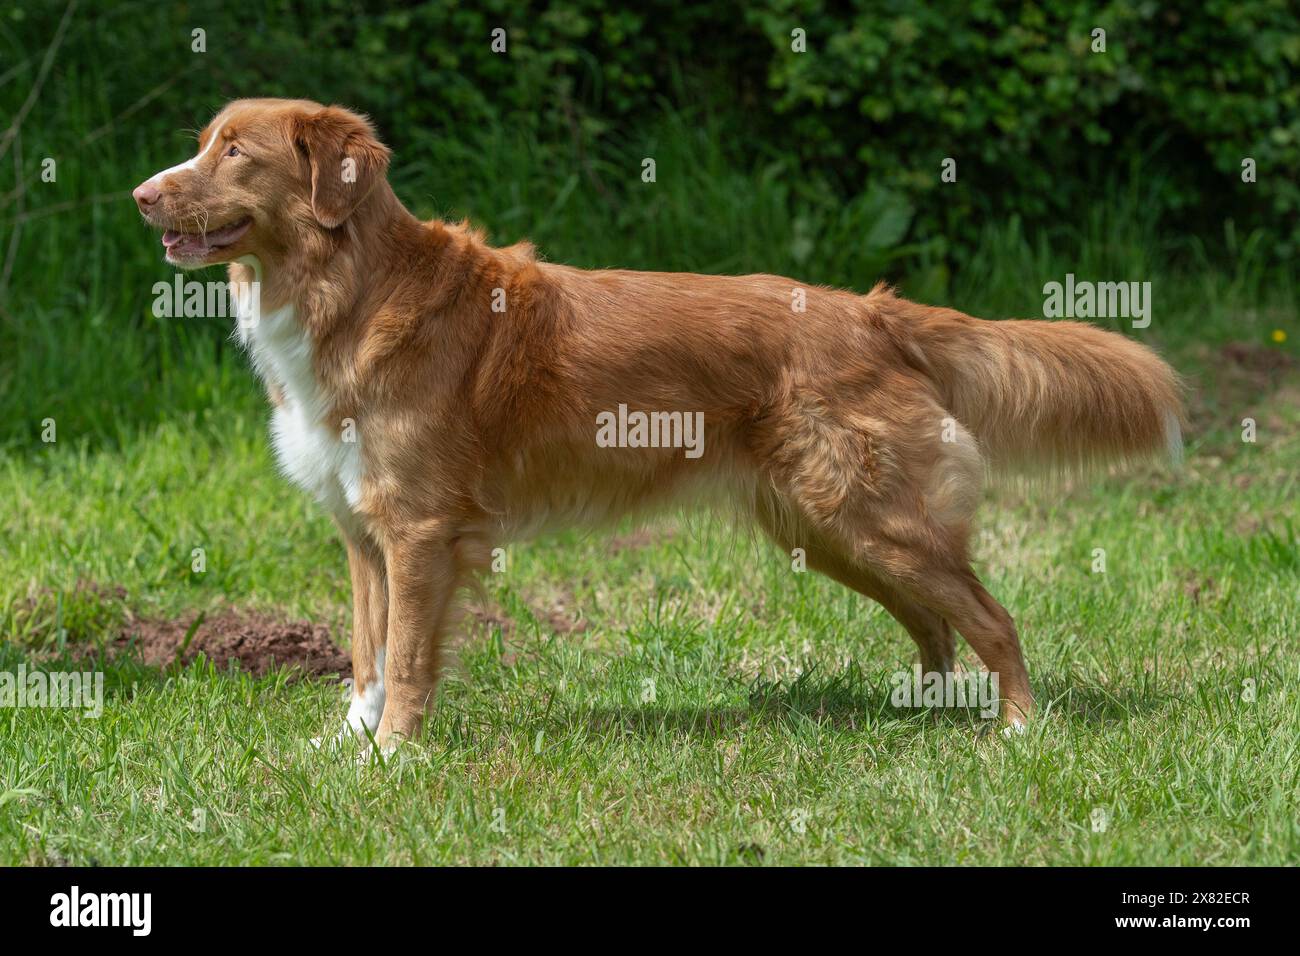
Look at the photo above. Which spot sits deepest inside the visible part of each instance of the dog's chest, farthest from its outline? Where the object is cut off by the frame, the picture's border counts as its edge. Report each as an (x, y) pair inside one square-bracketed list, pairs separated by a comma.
[(320, 455)]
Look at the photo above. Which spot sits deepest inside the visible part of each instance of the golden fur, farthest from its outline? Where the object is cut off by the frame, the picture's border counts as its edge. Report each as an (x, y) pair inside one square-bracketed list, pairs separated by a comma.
[(859, 429)]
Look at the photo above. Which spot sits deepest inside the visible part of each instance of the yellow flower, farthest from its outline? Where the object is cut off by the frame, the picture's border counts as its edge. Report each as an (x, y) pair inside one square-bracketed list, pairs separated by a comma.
[(1279, 336)]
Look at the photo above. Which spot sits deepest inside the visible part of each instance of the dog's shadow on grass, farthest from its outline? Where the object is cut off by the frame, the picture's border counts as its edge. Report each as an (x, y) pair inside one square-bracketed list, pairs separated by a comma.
[(842, 701), (846, 701)]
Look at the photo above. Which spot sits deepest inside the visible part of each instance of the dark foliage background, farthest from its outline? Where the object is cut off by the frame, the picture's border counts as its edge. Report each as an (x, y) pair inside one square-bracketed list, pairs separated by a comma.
[(885, 91)]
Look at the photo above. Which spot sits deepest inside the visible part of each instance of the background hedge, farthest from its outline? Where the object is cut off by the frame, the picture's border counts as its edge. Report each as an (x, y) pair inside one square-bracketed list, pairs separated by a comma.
[(886, 90)]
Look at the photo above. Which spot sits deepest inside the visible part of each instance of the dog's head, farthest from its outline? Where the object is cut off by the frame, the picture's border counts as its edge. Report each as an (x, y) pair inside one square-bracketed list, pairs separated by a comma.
[(268, 174)]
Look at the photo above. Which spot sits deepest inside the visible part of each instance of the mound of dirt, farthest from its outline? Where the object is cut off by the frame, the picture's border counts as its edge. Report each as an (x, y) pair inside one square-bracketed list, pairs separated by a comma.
[(255, 642)]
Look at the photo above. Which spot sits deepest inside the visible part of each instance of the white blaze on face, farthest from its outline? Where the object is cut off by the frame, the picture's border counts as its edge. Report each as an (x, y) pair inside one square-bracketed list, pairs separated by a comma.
[(158, 178)]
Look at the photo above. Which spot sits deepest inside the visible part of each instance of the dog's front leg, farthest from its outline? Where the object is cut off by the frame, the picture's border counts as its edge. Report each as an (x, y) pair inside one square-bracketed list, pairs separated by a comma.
[(422, 579), (369, 628), (369, 634)]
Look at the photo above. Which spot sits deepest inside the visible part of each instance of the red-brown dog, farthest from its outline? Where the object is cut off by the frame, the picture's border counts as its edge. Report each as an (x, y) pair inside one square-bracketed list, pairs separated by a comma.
[(441, 397)]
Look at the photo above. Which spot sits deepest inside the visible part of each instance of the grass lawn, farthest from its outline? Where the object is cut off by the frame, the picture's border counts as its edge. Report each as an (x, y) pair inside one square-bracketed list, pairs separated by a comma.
[(1169, 686)]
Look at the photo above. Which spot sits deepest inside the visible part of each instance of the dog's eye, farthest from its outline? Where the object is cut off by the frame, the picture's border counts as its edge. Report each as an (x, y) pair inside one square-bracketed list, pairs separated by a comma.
[(233, 151)]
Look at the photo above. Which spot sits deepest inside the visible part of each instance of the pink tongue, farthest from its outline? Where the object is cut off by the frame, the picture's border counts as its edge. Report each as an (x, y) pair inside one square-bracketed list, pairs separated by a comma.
[(173, 239)]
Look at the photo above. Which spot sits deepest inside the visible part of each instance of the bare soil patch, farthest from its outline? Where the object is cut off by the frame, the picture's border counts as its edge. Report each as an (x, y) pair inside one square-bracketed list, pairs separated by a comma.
[(257, 643)]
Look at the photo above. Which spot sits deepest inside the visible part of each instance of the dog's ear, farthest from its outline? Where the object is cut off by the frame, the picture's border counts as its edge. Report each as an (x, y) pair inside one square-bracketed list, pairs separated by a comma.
[(347, 160)]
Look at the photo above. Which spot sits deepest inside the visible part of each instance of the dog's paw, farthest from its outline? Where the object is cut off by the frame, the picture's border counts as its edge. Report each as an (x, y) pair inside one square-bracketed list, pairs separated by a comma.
[(346, 739), (391, 745), (330, 743), (350, 745)]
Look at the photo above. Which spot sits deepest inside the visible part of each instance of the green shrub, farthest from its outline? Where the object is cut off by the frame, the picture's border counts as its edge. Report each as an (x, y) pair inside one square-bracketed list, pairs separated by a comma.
[(1036, 120), (1034, 117)]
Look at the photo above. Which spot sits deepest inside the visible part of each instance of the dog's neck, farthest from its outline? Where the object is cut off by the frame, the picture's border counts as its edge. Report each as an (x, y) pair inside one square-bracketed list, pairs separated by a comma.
[(336, 278), (324, 274), (349, 290)]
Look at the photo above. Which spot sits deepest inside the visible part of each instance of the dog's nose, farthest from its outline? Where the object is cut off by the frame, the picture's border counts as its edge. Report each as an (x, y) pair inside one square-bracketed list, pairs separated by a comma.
[(145, 195)]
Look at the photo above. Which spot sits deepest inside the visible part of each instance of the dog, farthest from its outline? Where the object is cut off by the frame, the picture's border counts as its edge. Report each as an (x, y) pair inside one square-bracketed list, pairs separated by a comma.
[(441, 397)]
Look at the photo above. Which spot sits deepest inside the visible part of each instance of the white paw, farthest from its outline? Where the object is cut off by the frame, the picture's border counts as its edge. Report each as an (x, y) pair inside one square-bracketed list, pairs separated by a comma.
[(364, 713), (335, 742)]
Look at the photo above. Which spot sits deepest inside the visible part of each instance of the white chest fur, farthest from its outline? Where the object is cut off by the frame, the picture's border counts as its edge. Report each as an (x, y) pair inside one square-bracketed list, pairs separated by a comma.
[(320, 455)]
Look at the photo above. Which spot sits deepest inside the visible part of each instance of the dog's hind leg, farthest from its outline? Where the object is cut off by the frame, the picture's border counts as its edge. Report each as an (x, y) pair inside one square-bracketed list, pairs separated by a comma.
[(956, 593), (912, 552), (918, 544), (891, 497), (933, 636)]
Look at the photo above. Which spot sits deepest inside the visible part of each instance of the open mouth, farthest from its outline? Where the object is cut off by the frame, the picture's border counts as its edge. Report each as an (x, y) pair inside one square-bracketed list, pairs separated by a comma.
[(187, 245)]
